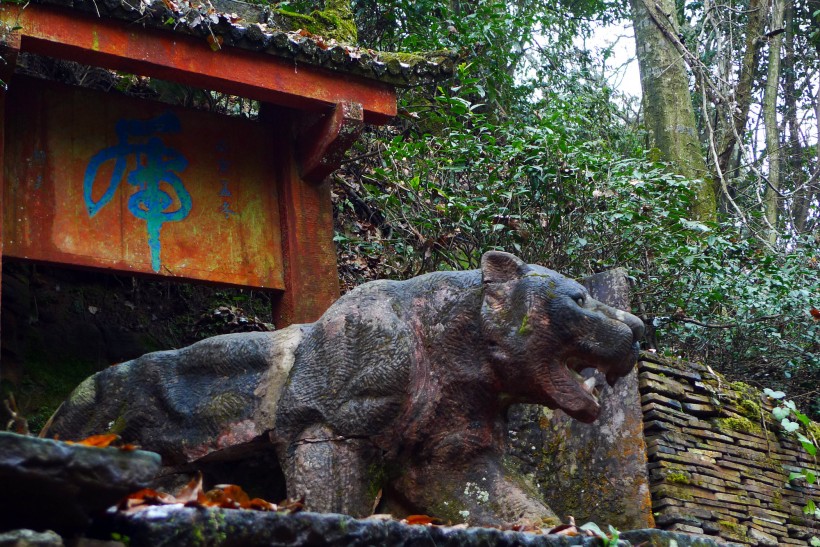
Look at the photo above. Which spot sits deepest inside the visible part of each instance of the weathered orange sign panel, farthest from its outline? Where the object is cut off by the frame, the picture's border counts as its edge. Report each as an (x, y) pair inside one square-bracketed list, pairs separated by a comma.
[(106, 181)]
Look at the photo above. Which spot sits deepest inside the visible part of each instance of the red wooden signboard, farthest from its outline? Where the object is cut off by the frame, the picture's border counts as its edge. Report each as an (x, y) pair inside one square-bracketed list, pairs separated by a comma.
[(99, 180)]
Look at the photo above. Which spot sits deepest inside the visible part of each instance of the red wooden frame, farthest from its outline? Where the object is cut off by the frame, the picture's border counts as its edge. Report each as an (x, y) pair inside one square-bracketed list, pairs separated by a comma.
[(317, 115)]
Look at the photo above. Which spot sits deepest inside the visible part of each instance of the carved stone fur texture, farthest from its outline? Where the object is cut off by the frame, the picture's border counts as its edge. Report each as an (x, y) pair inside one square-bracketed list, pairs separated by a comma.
[(398, 393)]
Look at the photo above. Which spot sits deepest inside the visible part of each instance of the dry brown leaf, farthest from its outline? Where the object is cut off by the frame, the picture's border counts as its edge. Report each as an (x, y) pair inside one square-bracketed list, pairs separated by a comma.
[(292, 506), (419, 519), (98, 441), (192, 491), (258, 504)]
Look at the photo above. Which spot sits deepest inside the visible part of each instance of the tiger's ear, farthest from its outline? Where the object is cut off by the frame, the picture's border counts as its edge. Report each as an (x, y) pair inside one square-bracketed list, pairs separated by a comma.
[(500, 267)]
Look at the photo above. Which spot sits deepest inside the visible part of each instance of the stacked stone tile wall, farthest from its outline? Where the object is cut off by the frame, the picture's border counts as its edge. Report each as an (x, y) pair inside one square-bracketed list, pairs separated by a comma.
[(718, 464)]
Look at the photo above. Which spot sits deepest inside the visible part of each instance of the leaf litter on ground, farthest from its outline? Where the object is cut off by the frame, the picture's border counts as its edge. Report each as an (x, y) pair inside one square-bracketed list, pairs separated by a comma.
[(225, 496)]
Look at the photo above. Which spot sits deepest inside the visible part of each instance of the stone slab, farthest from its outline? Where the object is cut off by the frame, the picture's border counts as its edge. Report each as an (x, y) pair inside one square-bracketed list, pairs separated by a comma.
[(57, 486)]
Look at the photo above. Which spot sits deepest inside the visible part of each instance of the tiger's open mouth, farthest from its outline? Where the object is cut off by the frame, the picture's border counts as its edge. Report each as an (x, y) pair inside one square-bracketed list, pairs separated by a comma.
[(590, 385), (580, 397)]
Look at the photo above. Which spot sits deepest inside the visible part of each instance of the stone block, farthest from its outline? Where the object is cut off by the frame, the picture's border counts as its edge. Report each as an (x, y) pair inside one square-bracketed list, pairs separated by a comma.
[(661, 399), (669, 371), (708, 482), (686, 528), (660, 449), (770, 526), (707, 433), (653, 411), (762, 538), (734, 531), (711, 527), (667, 519), (701, 410), (655, 425), (737, 499), (653, 383), (697, 398), (770, 515)]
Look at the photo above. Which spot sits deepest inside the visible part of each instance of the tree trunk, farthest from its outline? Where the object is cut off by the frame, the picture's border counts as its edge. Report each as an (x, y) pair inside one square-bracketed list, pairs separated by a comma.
[(770, 198), (743, 91), (667, 101), (796, 155)]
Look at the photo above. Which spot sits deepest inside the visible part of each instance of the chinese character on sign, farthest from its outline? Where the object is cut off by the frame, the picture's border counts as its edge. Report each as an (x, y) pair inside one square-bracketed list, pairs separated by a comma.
[(223, 166), (155, 176), (161, 196)]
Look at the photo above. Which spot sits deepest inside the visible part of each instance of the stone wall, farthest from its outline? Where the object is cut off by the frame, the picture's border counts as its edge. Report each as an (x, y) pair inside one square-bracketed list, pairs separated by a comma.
[(718, 464)]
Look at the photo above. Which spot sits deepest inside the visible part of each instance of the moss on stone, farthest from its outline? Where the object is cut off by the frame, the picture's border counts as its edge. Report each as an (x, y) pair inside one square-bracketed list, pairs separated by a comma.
[(524, 329), (733, 530), (777, 500), (749, 408), (814, 430), (677, 477), (741, 387), (334, 22), (225, 407), (740, 424), (118, 425), (376, 478)]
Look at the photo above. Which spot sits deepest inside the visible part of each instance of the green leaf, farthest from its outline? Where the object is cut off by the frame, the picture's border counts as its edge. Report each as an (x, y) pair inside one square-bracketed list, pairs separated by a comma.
[(810, 508), (809, 447), (795, 475), (774, 394), (594, 528), (815, 541), (780, 413), (789, 425)]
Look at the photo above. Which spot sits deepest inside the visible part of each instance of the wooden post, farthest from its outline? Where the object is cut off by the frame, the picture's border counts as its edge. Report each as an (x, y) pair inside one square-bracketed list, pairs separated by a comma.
[(9, 48), (306, 213)]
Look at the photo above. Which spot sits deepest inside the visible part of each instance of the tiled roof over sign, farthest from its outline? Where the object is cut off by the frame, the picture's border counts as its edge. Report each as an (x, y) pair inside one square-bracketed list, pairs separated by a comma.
[(230, 23)]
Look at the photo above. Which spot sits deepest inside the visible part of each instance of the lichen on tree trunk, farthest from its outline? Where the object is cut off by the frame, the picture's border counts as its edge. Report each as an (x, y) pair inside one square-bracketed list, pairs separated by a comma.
[(667, 101)]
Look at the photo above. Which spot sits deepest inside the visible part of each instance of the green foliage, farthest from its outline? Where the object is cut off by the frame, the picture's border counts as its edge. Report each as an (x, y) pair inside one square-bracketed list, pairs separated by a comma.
[(798, 424), (528, 150), (607, 540)]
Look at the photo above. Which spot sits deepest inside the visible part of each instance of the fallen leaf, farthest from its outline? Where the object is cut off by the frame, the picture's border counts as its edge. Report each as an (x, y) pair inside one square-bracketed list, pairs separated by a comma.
[(419, 519), (815, 313), (191, 491), (258, 504), (564, 530), (98, 441), (142, 500), (292, 506)]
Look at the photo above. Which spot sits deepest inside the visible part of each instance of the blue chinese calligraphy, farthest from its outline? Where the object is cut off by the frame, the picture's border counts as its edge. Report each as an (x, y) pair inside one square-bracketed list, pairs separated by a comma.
[(223, 167), (155, 176)]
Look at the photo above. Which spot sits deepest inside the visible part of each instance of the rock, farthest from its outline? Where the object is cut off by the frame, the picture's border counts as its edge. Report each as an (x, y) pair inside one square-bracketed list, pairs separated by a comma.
[(49, 484), (659, 538), (30, 538), (176, 526)]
